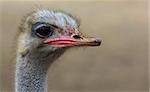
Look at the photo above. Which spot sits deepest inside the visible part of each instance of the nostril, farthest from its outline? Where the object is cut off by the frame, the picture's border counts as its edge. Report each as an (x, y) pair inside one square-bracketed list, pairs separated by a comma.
[(76, 36)]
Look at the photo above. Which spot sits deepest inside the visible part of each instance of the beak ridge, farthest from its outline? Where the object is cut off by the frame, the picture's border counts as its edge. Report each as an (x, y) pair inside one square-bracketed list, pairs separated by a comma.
[(90, 41)]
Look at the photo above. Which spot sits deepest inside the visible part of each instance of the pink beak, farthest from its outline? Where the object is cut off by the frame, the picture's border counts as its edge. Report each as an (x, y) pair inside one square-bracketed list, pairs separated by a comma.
[(67, 41)]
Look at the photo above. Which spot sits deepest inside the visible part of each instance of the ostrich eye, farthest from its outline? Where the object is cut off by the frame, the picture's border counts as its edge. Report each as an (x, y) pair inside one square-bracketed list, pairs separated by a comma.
[(42, 30)]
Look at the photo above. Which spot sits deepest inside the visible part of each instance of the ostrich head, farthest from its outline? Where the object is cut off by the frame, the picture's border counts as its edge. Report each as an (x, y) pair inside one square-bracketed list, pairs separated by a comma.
[(45, 33), (44, 36)]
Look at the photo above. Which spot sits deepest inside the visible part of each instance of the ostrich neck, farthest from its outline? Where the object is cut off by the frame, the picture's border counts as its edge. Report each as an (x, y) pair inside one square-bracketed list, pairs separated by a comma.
[(31, 73)]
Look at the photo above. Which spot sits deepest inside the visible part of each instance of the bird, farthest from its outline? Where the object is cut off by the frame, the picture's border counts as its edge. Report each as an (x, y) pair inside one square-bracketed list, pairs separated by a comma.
[(44, 35)]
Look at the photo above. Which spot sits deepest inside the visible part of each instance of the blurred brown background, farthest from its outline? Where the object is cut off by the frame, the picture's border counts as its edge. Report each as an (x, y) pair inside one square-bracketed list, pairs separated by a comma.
[(119, 65)]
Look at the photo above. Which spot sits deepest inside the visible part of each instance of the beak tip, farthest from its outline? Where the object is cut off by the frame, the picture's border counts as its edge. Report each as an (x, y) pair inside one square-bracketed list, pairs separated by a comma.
[(98, 41)]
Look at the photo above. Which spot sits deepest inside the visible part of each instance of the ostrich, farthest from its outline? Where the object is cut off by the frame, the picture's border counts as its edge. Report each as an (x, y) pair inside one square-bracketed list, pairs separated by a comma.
[(44, 36)]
